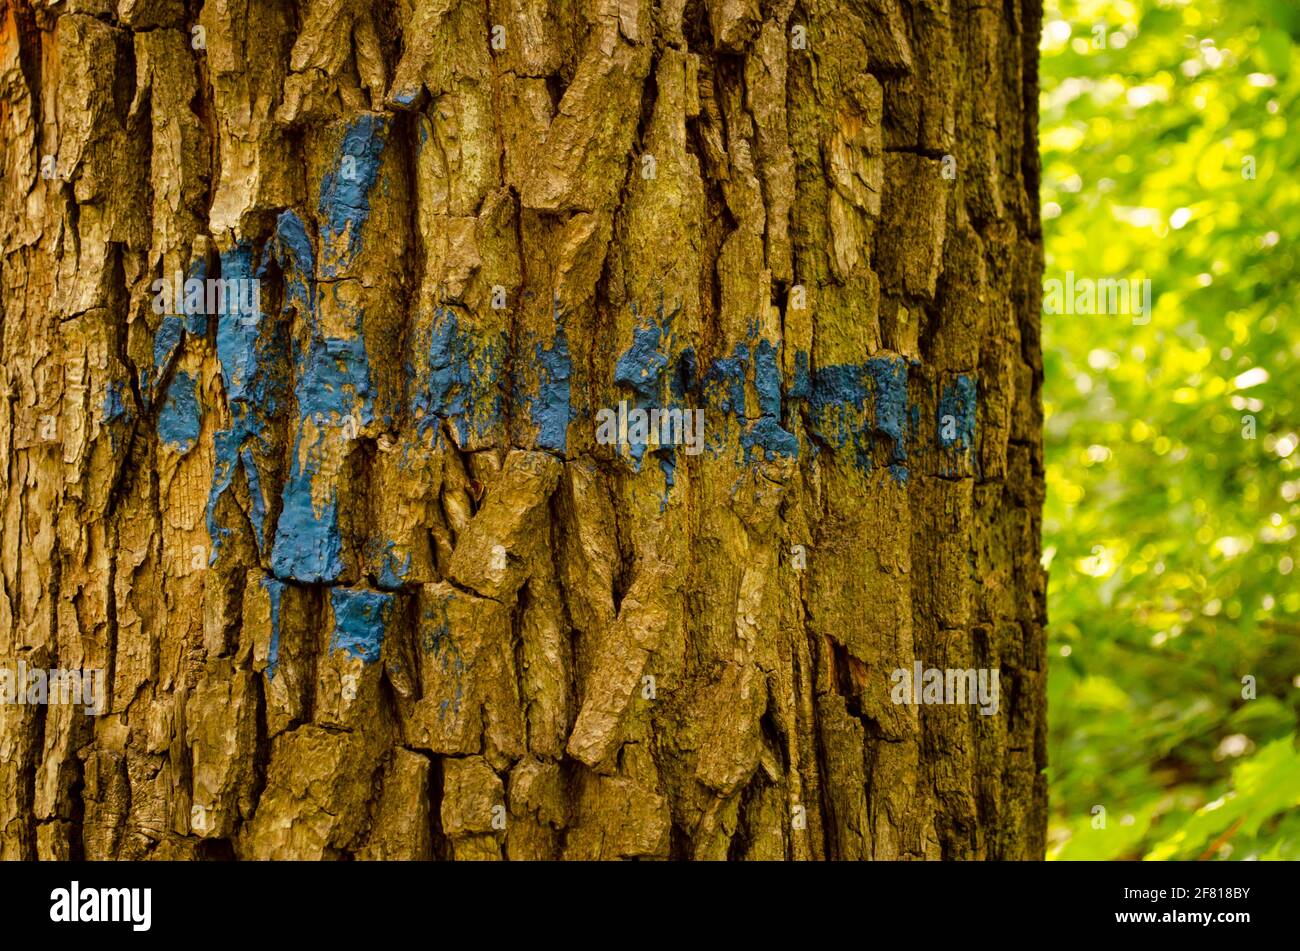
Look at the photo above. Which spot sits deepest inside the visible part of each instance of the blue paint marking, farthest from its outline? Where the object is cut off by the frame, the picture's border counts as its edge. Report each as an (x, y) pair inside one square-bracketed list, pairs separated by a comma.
[(465, 383), (345, 191), (958, 400), (724, 389), (462, 384), (657, 381), (173, 327), (308, 545), (767, 435), (392, 570), (166, 344), (166, 341), (850, 402), (801, 387), (196, 318), (115, 406), (275, 589), (257, 500), (360, 617), (292, 248), (668, 466), (660, 379), (889, 384), (551, 409), (180, 419), (118, 408), (767, 378), (641, 366), (332, 383), (724, 383), (252, 355), (237, 333), (839, 395)]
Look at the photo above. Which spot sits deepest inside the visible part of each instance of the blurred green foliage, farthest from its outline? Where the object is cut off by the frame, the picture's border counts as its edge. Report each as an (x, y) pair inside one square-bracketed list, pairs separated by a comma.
[(1170, 533)]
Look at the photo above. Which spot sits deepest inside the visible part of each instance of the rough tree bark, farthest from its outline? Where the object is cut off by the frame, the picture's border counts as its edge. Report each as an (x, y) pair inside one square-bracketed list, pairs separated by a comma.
[(362, 579)]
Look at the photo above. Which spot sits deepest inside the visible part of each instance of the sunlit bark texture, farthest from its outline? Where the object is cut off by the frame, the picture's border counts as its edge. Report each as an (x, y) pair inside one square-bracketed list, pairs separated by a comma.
[(362, 578)]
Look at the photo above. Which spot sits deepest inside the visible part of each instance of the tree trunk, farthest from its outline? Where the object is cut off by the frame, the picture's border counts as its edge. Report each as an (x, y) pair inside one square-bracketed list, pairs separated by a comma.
[(362, 573)]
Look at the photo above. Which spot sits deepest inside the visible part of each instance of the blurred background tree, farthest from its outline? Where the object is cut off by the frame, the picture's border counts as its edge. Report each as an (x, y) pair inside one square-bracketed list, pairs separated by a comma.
[(1173, 470)]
